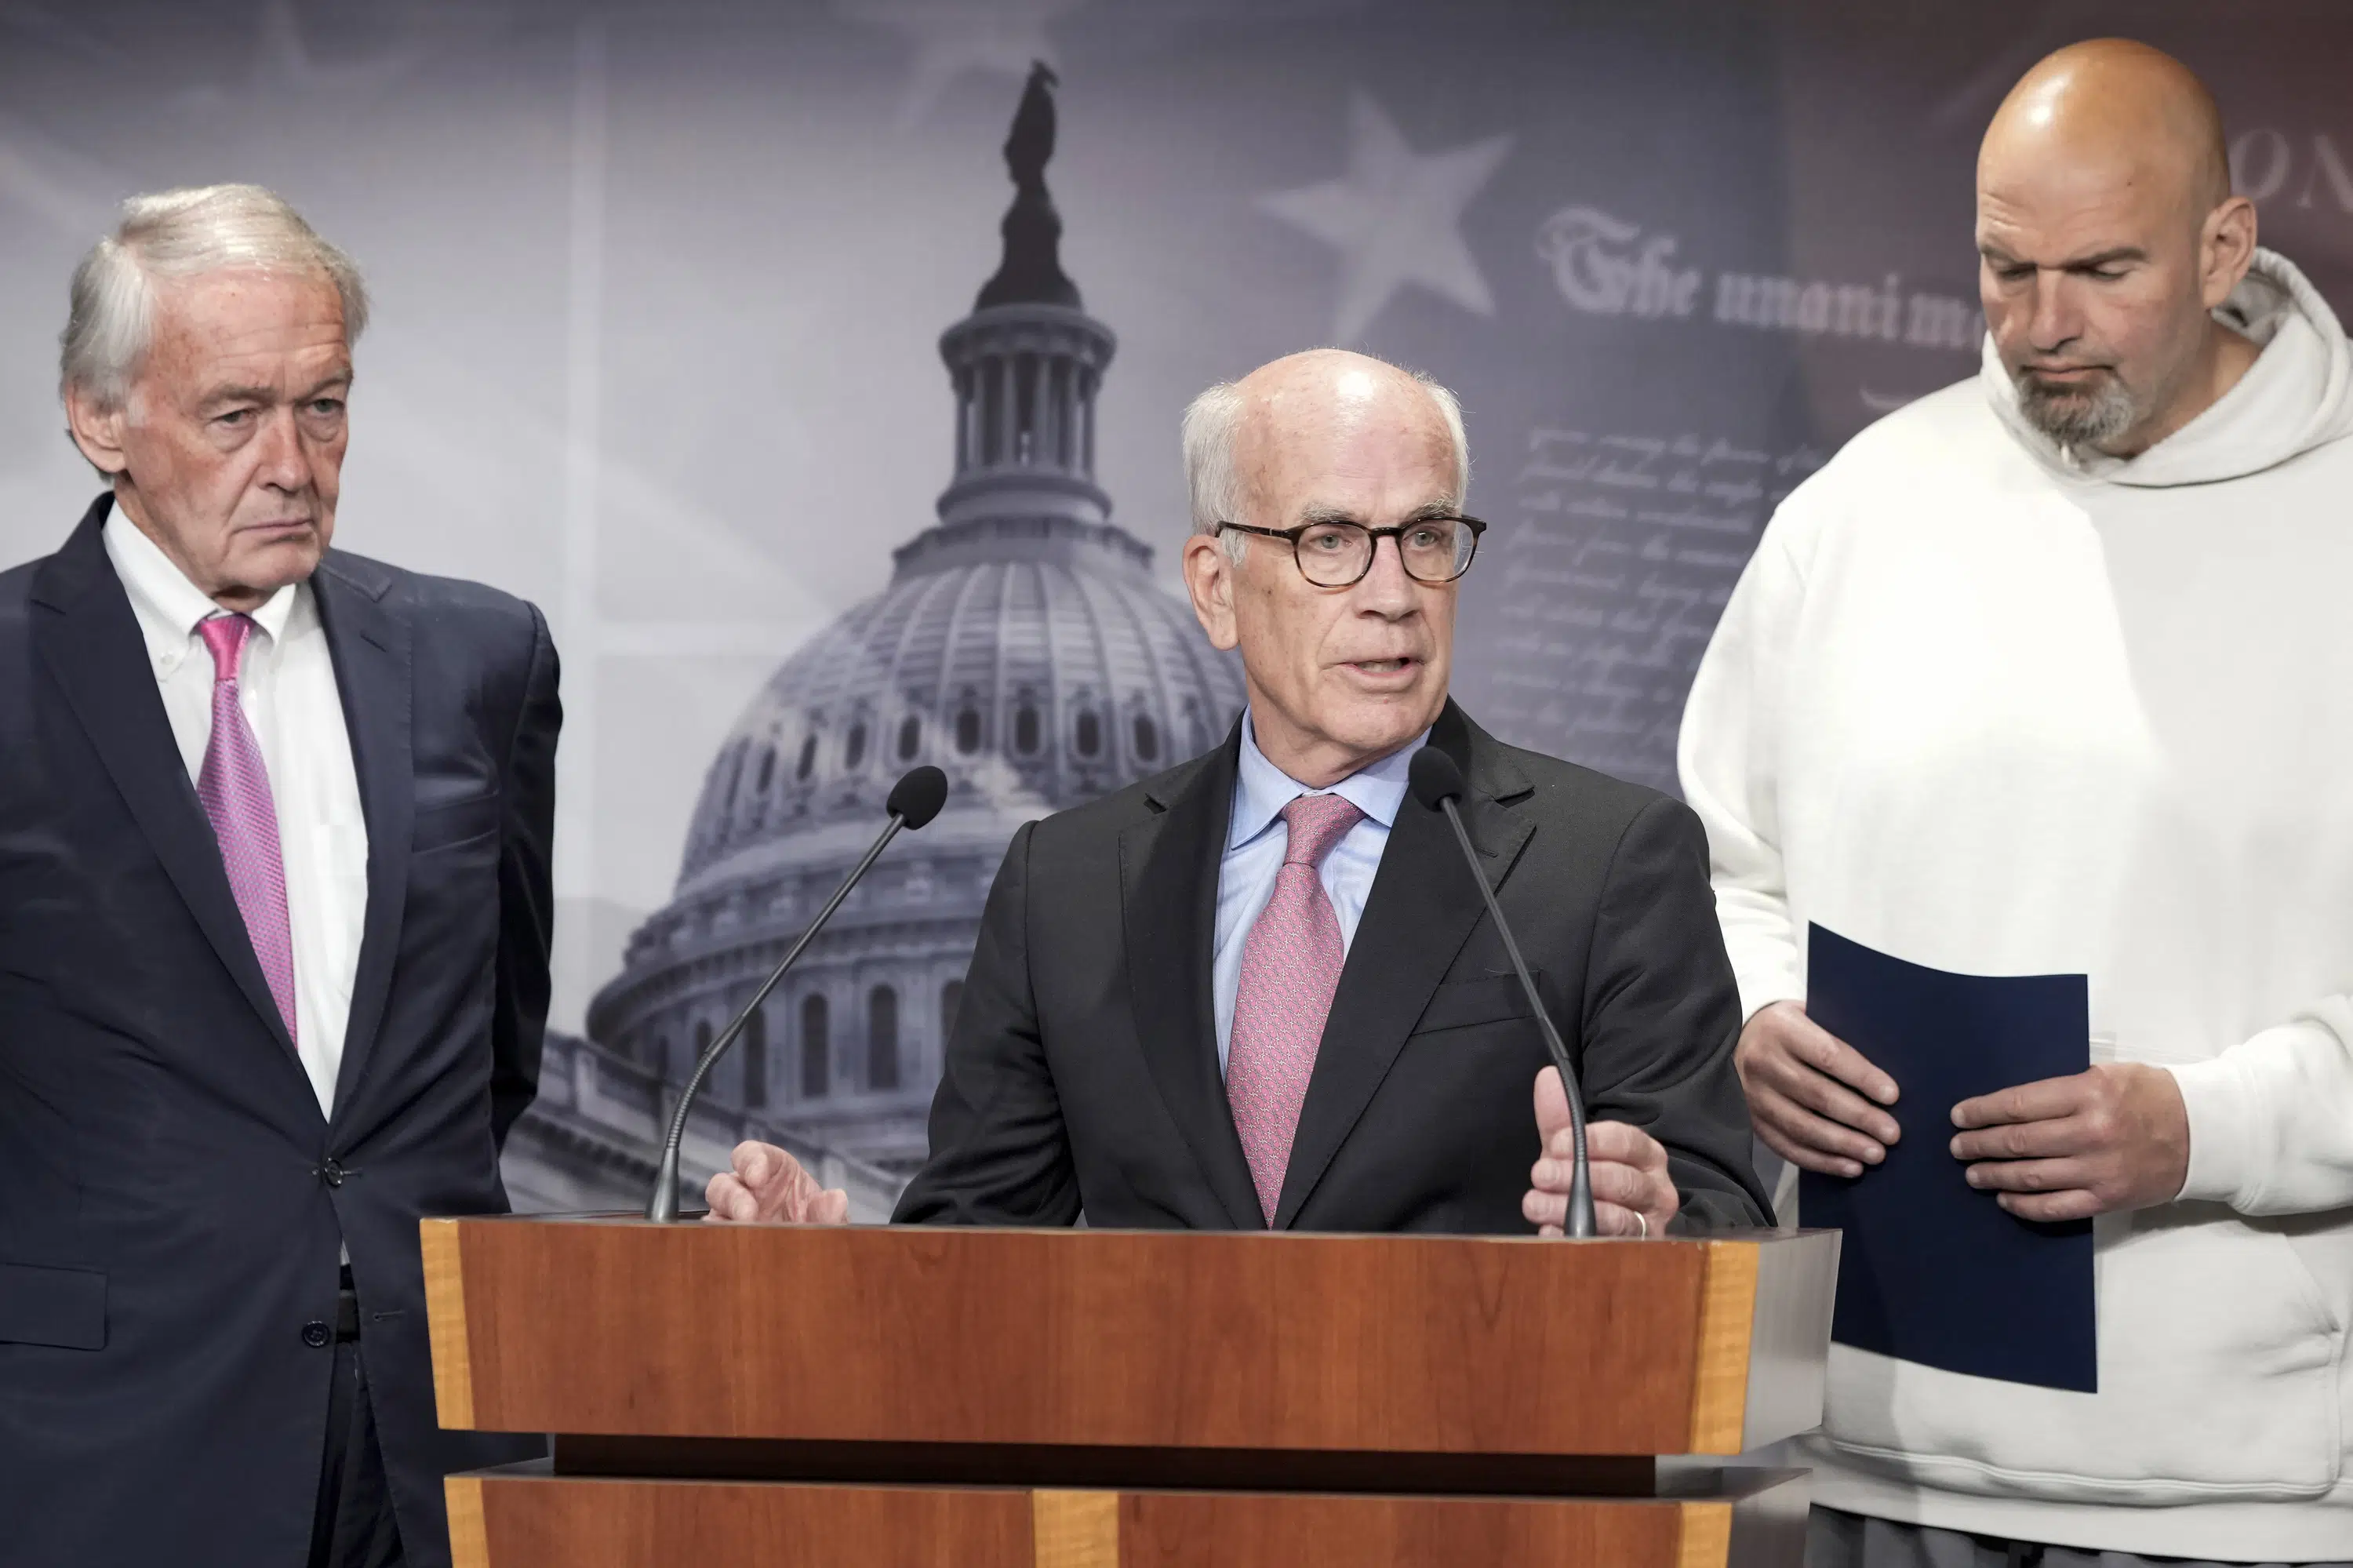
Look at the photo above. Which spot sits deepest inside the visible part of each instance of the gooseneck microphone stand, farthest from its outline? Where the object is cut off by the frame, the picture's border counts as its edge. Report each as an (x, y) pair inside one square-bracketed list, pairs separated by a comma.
[(914, 800), (1436, 783)]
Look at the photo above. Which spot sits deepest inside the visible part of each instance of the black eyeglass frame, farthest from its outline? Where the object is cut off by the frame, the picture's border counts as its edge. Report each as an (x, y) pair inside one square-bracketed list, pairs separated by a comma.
[(1293, 536)]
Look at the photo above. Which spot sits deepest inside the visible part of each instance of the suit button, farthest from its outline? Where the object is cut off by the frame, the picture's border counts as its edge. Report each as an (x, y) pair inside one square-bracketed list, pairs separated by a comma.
[(332, 1174), (316, 1334)]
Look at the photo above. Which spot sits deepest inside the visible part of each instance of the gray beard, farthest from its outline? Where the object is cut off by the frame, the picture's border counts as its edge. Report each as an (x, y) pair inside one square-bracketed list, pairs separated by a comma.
[(2091, 419)]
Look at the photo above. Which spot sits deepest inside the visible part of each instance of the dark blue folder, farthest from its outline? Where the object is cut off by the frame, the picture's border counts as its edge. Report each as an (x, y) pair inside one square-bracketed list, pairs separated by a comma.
[(1932, 1270)]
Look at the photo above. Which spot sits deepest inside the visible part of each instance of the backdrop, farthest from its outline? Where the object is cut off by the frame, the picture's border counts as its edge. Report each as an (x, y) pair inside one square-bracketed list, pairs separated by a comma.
[(659, 294)]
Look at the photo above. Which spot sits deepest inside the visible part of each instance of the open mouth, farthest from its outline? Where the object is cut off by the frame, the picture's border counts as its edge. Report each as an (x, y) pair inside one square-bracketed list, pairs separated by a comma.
[(1384, 667)]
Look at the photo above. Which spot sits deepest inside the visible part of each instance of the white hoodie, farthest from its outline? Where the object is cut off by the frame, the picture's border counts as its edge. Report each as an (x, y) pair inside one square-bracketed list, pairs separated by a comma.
[(1991, 708)]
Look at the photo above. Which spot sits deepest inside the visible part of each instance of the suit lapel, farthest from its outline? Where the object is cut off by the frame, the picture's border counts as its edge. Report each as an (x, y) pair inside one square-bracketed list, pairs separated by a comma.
[(371, 650), (94, 651), (1422, 908), (1169, 899)]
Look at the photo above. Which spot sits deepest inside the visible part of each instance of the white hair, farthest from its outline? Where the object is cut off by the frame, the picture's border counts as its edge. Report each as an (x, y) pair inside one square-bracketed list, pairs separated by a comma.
[(1214, 419), (183, 234)]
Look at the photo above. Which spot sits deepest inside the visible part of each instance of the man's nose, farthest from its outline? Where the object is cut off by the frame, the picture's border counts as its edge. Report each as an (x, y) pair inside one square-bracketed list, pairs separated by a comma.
[(285, 460), (1387, 589), (2056, 322)]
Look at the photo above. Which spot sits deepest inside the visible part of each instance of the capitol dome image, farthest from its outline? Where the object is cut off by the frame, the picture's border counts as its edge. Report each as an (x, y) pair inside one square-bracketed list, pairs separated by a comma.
[(1021, 645)]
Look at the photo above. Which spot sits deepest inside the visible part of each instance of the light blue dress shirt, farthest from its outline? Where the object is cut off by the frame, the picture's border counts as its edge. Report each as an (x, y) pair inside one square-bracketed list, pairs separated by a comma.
[(1256, 838)]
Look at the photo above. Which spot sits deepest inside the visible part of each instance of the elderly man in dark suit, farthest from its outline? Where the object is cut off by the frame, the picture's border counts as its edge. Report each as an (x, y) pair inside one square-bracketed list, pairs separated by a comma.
[(274, 922), (1260, 989)]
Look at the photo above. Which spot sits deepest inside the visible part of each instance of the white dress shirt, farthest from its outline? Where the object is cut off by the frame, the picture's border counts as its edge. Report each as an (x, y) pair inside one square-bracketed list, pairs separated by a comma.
[(1256, 837), (287, 686)]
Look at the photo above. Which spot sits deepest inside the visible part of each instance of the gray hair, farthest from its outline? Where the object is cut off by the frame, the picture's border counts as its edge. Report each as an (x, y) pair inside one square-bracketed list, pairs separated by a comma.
[(183, 234), (1214, 419)]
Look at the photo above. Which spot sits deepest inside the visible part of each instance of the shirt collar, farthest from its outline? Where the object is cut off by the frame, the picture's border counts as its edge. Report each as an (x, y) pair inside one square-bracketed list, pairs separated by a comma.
[(167, 604), (1261, 789)]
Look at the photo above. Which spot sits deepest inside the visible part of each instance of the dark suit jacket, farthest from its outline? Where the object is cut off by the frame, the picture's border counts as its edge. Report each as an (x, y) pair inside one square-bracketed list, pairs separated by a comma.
[(167, 1230), (1083, 1074)]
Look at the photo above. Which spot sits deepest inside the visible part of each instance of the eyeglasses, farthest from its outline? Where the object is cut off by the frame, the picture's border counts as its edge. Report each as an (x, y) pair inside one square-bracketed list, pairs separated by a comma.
[(1339, 554)]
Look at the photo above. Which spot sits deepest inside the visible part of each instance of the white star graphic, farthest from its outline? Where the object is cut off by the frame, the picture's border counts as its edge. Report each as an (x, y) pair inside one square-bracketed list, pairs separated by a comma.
[(1395, 217), (953, 37)]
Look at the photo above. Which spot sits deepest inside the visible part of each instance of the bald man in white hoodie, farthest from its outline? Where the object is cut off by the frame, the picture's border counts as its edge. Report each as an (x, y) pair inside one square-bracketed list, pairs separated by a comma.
[(2052, 671)]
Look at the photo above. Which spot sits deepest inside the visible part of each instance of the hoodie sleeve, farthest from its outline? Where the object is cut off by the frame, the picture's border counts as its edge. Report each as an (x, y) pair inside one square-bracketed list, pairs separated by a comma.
[(1728, 758), (2271, 1119)]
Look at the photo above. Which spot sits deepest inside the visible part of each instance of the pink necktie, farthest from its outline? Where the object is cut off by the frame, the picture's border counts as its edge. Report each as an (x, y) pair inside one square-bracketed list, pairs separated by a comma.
[(234, 786), (1290, 968)]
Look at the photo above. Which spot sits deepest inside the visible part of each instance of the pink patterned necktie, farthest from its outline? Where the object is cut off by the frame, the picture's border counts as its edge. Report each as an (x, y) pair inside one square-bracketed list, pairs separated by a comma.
[(234, 786), (1290, 968)]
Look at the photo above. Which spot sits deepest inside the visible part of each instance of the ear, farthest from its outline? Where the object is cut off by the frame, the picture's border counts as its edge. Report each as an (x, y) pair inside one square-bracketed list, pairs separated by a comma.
[(97, 431), (2227, 247), (1209, 579)]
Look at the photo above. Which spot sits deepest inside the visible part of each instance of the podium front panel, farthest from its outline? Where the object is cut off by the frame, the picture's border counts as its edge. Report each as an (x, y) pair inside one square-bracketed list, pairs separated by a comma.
[(1045, 1340)]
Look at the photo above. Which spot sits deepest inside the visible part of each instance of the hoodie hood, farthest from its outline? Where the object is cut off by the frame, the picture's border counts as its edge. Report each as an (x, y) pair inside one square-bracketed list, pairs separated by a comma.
[(2298, 394)]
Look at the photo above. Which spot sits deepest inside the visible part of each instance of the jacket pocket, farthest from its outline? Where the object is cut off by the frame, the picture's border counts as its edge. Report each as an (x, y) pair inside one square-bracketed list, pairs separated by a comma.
[(2219, 1357), (1492, 998), (61, 1307)]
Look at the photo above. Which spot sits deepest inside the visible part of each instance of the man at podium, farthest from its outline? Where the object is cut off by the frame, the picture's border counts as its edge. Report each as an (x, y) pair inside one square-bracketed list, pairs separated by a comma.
[(1261, 990)]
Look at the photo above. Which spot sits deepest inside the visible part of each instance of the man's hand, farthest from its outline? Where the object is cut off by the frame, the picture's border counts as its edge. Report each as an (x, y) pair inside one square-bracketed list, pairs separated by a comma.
[(1806, 1093), (768, 1184), (1633, 1194), (2117, 1136)]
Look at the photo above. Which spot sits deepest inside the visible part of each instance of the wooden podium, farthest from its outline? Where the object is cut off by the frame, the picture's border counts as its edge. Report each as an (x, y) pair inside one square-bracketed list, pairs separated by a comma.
[(861, 1396)]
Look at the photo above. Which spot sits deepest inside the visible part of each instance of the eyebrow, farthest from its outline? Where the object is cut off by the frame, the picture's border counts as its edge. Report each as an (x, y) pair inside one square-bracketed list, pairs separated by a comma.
[(1316, 512), (221, 397), (2091, 263)]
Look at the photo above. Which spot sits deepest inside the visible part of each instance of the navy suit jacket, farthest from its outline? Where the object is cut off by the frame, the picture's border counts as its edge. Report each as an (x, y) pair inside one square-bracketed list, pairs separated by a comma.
[(166, 1230)]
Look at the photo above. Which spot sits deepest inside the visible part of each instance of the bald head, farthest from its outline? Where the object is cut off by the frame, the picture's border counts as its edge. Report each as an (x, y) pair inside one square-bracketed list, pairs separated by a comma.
[(1233, 430), (2117, 109), (2108, 235)]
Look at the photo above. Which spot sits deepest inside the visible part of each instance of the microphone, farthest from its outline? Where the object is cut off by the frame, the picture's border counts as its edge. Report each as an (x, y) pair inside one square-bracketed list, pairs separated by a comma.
[(1436, 783), (914, 800)]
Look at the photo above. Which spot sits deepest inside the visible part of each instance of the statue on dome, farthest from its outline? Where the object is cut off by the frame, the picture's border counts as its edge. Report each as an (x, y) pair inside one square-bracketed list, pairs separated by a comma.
[(1031, 272), (1031, 144)]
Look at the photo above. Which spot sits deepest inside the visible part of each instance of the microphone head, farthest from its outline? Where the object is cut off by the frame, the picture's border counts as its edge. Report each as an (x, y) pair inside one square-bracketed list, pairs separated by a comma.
[(1433, 777), (918, 796)]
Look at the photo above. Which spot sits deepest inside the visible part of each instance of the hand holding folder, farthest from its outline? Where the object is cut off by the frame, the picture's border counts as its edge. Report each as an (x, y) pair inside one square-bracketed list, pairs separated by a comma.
[(1933, 1270), (2114, 1137), (1816, 1101)]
